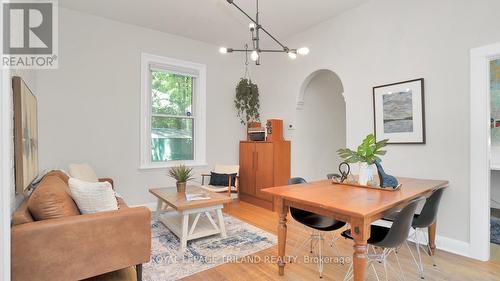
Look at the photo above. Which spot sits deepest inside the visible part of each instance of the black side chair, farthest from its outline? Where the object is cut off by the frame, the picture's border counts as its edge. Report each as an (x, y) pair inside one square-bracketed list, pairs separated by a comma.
[(318, 223), (330, 176), (388, 239), (421, 221)]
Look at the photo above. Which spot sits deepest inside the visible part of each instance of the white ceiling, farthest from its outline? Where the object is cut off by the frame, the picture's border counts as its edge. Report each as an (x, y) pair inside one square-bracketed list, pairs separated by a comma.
[(216, 21)]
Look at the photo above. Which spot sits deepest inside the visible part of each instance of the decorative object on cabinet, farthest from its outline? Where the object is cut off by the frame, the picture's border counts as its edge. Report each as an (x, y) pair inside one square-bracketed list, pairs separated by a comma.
[(274, 130), (399, 112), (256, 134), (262, 165), (25, 134), (181, 174), (247, 102), (366, 155), (385, 179)]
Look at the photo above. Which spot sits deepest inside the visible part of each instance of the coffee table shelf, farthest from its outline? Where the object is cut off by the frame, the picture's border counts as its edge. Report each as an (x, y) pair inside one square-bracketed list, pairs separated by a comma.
[(190, 220)]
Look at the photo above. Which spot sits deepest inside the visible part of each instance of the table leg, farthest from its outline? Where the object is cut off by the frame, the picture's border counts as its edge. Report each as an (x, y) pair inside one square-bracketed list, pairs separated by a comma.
[(158, 209), (184, 232), (283, 211), (222, 227), (359, 260), (360, 232), (432, 238)]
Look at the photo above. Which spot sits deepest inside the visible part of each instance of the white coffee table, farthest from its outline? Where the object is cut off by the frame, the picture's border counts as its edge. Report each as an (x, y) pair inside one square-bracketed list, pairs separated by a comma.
[(190, 220)]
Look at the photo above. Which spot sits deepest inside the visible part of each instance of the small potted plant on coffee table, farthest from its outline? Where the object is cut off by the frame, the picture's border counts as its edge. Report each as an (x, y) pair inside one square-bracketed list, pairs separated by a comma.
[(181, 174)]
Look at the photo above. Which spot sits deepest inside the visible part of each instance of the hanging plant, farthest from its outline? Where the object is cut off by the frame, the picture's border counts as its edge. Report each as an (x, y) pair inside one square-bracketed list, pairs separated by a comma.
[(247, 102)]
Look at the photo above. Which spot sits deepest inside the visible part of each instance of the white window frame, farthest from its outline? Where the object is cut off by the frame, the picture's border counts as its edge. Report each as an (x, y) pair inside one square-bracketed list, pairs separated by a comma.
[(199, 110)]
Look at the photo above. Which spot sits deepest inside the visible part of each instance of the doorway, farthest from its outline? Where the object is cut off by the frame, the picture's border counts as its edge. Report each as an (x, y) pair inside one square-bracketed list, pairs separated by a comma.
[(320, 127), (484, 153)]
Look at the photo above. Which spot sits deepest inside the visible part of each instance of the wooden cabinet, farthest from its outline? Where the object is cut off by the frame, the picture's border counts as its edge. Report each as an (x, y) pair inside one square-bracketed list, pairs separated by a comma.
[(262, 165)]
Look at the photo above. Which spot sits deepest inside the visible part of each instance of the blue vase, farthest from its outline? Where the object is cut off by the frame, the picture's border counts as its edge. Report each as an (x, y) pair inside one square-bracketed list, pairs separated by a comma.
[(385, 179)]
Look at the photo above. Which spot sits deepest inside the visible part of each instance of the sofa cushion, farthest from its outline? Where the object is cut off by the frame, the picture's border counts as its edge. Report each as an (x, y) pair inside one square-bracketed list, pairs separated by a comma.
[(83, 172), (93, 197), (51, 200)]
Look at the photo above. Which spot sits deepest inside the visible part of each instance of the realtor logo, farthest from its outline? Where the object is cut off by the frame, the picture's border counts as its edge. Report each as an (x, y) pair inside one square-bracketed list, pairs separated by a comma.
[(29, 34)]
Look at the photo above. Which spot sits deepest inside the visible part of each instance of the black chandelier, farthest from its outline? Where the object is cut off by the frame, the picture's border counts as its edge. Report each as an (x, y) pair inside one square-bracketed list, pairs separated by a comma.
[(255, 29)]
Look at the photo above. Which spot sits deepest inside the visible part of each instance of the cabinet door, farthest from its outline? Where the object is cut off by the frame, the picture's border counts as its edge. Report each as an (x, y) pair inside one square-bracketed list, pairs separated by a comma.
[(247, 168), (264, 169)]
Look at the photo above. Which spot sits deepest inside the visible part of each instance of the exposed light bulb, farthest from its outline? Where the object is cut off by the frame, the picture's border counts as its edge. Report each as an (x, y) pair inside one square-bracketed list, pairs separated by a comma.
[(254, 55), (252, 26), (223, 50), (303, 51), (292, 55)]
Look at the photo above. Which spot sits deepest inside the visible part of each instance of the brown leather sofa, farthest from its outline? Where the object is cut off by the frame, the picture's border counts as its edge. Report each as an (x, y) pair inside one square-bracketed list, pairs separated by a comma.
[(51, 240)]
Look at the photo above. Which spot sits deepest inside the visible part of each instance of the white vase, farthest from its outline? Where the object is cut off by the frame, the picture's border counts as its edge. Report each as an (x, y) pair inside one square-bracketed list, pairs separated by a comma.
[(365, 173)]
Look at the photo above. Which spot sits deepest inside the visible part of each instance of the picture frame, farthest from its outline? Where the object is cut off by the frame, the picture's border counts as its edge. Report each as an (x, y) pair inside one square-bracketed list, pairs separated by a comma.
[(399, 112), (25, 135)]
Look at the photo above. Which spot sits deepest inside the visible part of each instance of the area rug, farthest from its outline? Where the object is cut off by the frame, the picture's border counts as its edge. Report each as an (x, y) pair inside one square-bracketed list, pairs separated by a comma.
[(167, 263), (495, 230)]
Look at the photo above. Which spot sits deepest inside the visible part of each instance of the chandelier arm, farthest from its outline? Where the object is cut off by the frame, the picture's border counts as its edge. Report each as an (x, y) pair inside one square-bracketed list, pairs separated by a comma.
[(273, 51), (259, 26)]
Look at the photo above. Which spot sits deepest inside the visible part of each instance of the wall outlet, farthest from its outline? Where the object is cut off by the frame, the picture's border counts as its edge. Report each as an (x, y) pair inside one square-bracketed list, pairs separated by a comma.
[(290, 127)]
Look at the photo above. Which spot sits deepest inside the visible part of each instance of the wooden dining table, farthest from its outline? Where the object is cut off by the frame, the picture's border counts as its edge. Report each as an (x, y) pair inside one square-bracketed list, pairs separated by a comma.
[(358, 206)]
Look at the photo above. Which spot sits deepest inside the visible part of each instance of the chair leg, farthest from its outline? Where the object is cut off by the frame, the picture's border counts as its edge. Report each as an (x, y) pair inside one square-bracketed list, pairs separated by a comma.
[(399, 265), (298, 247), (320, 256), (413, 257), (384, 262), (428, 248), (417, 245), (349, 273), (138, 270), (374, 270)]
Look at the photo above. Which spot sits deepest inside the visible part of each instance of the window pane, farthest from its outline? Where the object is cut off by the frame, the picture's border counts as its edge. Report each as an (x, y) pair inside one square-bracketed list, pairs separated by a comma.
[(171, 139), (172, 94)]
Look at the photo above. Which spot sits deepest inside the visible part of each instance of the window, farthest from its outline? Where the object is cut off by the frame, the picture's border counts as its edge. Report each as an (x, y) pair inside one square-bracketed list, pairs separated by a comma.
[(172, 113)]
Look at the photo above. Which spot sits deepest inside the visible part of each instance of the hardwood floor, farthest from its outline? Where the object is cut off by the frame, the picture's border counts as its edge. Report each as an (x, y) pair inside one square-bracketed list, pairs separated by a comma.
[(449, 266)]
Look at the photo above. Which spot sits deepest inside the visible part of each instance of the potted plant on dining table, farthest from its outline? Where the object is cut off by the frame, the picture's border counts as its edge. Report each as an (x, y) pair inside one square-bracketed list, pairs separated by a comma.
[(367, 153), (181, 174)]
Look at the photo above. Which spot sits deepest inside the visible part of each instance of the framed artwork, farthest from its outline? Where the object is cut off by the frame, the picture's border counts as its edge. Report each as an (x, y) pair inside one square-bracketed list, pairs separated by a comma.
[(25, 135), (399, 112)]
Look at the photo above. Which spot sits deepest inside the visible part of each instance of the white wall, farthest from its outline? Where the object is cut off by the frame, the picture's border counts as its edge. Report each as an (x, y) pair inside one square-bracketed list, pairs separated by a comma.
[(320, 123), (90, 106), (388, 41)]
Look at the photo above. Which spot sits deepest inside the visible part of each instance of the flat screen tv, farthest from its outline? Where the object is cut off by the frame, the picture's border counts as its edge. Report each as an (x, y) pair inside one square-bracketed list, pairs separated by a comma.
[(25, 135)]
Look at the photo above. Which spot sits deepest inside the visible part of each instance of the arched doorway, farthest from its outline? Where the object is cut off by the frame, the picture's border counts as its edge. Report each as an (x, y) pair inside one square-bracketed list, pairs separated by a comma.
[(320, 125)]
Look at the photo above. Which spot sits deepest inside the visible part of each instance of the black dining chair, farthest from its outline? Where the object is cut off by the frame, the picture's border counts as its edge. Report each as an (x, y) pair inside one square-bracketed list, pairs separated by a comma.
[(426, 218), (330, 176), (388, 239), (318, 223)]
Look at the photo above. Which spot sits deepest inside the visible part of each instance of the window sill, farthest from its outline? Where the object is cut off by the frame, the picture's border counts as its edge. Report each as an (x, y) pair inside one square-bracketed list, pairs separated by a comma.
[(162, 166)]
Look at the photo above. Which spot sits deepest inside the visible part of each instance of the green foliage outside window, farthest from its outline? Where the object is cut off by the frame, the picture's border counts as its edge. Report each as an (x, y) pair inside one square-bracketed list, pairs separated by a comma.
[(171, 125)]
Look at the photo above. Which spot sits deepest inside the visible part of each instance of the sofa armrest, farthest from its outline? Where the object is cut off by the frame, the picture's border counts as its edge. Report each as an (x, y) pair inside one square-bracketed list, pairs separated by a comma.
[(78, 247), (108, 180)]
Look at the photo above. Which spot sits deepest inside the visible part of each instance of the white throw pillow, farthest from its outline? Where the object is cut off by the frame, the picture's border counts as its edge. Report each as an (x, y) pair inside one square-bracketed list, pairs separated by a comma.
[(92, 197), (83, 172)]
